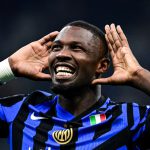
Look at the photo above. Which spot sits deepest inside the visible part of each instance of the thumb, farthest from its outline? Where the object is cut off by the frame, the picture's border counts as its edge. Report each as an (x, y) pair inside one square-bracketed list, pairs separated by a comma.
[(102, 81), (43, 76)]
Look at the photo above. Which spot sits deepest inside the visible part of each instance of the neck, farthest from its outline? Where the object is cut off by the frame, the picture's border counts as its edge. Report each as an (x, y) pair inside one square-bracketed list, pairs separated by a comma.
[(79, 101)]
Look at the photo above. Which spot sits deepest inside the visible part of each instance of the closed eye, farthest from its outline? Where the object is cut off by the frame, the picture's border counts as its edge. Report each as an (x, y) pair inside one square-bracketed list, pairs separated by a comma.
[(77, 47)]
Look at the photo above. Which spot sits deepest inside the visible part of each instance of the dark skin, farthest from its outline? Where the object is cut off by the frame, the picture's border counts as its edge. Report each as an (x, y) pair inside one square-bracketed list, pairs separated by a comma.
[(127, 70), (31, 60), (76, 46)]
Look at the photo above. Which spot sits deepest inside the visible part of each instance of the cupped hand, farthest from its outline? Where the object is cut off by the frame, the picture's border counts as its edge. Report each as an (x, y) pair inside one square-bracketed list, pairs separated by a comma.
[(124, 63), (31, 60)]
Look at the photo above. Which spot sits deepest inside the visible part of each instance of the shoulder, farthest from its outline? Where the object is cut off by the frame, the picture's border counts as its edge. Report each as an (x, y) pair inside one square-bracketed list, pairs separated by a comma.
[(10, 100), (38, 96), (133, 104), (132, 110)]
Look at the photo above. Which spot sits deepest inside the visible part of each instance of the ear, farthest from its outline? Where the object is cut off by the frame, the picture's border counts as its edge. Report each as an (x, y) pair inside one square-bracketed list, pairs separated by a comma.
[(102, 66)]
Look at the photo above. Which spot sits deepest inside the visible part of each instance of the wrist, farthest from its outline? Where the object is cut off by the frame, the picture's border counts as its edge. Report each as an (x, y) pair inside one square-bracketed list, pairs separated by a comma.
[(138, 76), (6, 73), (142, 80)]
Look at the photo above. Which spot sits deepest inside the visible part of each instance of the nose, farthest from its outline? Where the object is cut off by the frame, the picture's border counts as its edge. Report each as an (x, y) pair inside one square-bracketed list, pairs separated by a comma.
[(63, 54)]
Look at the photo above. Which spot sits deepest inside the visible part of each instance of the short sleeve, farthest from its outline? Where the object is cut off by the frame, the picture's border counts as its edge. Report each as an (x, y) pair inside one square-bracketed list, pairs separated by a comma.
[(9, 107)]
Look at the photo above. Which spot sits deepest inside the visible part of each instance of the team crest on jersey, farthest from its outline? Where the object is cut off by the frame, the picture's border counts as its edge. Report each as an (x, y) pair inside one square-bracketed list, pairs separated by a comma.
[(63, 136)]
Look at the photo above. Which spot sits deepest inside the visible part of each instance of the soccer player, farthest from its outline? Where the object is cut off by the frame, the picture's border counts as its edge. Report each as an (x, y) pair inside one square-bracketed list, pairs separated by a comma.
[(77, 117)]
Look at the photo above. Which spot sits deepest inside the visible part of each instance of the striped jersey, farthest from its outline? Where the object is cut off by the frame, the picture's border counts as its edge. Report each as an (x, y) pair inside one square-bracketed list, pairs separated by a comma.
[(37, 122)]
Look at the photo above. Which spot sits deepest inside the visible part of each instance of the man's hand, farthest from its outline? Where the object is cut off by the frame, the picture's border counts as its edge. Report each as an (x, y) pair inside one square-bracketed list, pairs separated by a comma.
[(31, 60), (125, 64)]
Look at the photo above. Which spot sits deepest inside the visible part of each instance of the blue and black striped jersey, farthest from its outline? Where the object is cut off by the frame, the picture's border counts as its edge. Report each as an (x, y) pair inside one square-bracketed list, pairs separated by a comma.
[(38, 122)]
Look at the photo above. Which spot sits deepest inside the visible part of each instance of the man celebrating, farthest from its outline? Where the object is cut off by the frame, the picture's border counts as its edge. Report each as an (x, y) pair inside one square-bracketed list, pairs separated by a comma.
[(78, 117)]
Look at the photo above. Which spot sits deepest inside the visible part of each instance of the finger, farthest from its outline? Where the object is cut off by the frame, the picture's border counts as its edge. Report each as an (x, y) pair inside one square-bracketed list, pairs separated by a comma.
[(115, 36), (109, 46), (110, 38), (107, 29), (48, 45), (122, 36), (114, 47), (48, 37)]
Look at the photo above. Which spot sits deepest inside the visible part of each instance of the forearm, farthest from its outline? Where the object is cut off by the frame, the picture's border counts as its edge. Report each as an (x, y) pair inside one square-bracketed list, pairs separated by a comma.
[(141, 80)]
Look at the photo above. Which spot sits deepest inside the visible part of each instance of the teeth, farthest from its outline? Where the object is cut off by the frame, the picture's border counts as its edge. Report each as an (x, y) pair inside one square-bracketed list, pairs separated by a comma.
[(63, 69), (64, 74)]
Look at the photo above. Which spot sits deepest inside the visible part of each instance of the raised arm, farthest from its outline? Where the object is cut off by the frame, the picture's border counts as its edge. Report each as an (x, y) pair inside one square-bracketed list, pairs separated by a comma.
[(31, 60), (127, 70)]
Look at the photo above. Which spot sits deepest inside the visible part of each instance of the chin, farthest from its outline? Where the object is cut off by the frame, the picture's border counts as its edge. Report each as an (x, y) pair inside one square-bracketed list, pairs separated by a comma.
[(62, 89)]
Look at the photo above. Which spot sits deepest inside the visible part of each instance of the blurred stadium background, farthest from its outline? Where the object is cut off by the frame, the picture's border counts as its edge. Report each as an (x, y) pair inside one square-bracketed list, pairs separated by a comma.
[(23, 21)]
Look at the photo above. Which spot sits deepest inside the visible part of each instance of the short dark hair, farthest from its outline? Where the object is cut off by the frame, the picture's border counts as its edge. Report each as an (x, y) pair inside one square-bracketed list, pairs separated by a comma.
[(94, 30)]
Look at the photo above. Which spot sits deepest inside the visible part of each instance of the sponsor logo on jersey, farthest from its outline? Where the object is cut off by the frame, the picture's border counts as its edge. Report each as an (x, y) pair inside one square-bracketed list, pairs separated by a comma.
[(63, 136), (34, 117)]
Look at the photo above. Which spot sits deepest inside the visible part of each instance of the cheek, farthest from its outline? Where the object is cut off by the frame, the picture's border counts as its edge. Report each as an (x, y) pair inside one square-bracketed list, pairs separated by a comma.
[(51, 58), (50, 61), (88, 68)]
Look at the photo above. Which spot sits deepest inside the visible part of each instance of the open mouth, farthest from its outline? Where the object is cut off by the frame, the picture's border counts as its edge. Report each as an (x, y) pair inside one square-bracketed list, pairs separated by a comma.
[(64, 71)]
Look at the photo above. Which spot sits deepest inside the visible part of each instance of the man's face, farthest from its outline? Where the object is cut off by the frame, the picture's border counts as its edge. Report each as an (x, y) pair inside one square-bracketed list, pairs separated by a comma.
[(73, 59)]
